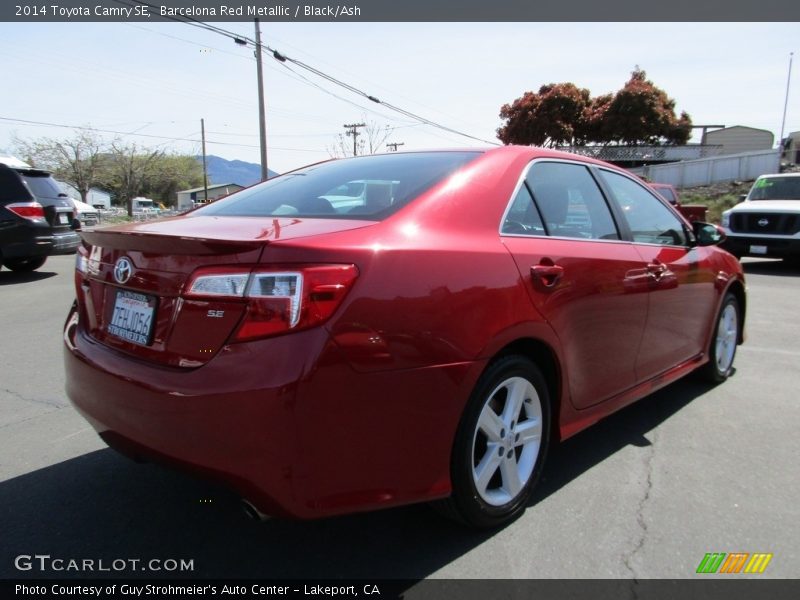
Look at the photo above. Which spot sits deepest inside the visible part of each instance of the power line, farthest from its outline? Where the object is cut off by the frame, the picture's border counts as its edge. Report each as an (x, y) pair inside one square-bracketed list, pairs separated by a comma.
[(146, 135), (283, 58)]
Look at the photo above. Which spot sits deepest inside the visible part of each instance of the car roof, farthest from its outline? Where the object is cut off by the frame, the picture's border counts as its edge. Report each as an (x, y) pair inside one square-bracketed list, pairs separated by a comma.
[(514, 150), (778, 175)]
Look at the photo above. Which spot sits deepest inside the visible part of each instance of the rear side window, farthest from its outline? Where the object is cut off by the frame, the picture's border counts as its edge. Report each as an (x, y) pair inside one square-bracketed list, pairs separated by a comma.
[(570, 202), (368, 187), (649, 220), (523, 218), (11, 187)]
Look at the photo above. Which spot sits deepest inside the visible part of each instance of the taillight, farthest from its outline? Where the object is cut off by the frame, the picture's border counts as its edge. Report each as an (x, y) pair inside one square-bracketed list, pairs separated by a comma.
[(32, 211), (278, 300)]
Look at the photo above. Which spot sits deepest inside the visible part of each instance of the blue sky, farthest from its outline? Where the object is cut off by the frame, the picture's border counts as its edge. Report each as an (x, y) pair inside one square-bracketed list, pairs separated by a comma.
[(160, 79)]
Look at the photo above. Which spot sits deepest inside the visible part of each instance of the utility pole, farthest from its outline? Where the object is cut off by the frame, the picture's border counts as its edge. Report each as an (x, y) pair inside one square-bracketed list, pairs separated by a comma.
[(353, 130), (393, 146), (786, 101), (205, 170), (262, 111)]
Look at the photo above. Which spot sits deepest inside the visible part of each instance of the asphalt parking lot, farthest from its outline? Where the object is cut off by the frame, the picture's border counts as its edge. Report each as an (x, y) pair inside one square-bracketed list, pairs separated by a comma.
[(644, 494)]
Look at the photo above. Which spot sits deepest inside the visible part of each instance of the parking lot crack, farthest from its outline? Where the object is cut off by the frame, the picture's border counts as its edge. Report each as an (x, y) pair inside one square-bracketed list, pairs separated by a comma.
[(628, 558), (19, 396)]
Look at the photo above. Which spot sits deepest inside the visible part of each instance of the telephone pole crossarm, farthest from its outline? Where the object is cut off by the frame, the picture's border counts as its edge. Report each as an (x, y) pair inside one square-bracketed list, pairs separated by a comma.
[(352, 129)]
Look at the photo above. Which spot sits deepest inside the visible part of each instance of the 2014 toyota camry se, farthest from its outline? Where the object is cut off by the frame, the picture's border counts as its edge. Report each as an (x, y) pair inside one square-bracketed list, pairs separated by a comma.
[(397, 328)]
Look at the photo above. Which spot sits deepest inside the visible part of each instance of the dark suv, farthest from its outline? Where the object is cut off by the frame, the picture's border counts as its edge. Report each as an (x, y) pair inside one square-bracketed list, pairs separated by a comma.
[(36, 219)]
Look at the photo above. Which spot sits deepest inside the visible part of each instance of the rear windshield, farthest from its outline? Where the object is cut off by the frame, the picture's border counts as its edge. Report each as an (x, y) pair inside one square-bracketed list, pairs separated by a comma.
[(667, 193), (776, 188), (367, 187), (41, 185)]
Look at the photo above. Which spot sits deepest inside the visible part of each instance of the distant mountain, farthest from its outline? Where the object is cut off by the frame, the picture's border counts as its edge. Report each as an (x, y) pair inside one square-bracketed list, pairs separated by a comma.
[(233, 171)]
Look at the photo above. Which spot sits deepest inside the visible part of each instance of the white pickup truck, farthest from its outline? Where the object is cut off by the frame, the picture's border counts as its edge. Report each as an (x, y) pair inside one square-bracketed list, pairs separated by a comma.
[(767, 222)]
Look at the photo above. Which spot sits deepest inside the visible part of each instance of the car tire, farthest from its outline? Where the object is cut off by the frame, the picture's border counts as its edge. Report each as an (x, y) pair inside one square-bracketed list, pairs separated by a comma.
[(24, 265), (500, 446), (723, 343)]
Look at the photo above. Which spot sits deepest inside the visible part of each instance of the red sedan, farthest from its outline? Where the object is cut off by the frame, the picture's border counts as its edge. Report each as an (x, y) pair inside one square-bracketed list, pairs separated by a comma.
[(389, 329)]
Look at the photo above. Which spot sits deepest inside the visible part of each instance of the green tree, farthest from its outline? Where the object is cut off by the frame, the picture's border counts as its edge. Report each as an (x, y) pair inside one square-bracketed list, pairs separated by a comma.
[(131, 170), (170, 174), (80, 160)]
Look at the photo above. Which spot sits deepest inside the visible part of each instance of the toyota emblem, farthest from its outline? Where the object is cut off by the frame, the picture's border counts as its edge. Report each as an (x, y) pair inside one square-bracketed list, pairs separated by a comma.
[(763, 222), (122, 270)]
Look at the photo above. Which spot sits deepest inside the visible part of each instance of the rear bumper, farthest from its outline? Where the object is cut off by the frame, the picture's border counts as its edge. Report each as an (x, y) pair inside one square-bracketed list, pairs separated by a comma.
[(66, 243), (32, 247), (774, 247), (242, 436), (302, 435)]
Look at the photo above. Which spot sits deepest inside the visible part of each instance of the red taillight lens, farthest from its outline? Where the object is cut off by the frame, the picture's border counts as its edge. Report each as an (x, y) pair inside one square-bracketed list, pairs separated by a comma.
[(32, 211), (278, 299)]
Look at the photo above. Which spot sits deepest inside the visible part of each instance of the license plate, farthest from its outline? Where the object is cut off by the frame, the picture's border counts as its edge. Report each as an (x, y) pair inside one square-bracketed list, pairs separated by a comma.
[(132, 319), (63, 218), (758, 249)]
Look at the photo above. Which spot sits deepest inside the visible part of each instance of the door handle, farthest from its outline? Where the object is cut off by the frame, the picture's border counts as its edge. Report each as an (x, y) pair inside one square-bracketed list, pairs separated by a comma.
[(547, 276), (656, 269)]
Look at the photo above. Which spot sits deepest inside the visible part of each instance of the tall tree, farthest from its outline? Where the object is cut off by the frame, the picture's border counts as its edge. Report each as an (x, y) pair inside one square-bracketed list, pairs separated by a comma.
[(641, 113), (170, 174), (132, 169), (552, 117), (564, 114), (79, 160)]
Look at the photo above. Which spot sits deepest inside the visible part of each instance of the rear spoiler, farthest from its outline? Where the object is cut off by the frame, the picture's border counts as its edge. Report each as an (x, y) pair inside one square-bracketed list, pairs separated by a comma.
[(166, 244)]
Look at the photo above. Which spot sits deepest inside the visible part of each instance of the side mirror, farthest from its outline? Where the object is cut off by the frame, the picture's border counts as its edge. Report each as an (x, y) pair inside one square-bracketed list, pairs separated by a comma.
[(708, 234), (742, 197)]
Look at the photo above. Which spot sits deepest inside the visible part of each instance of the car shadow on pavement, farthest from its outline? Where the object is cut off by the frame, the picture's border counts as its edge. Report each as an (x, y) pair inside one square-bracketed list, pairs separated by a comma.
[(13, 277), (103, 506)]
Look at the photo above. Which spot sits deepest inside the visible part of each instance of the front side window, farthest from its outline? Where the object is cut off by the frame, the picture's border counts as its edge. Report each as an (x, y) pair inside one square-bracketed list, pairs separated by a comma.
[(570, 201), (367, 187), (649, 220)]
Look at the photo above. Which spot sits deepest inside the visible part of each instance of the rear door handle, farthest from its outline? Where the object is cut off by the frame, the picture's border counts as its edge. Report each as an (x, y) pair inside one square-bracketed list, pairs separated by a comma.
[(546, 276)]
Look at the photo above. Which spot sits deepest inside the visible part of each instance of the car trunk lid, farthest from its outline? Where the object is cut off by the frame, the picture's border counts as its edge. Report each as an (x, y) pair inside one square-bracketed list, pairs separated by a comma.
[(131, 281)]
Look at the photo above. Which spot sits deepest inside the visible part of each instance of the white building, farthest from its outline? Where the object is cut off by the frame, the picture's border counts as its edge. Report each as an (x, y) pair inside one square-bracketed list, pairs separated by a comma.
[(95, 197), (188, 198), (738, 139)]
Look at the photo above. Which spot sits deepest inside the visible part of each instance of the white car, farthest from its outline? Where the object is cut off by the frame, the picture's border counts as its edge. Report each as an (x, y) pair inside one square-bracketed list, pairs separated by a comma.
[(767, 222), (87, 214)]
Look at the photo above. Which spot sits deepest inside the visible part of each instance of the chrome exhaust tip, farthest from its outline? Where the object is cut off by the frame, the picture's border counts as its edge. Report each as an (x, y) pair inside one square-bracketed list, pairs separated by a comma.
[(251, 511)]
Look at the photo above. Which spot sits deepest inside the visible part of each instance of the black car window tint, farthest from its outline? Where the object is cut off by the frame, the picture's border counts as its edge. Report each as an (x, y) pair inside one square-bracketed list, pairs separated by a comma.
[(523, 217), (367, 187), (11, 187), (570, 201), (41, 185)]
